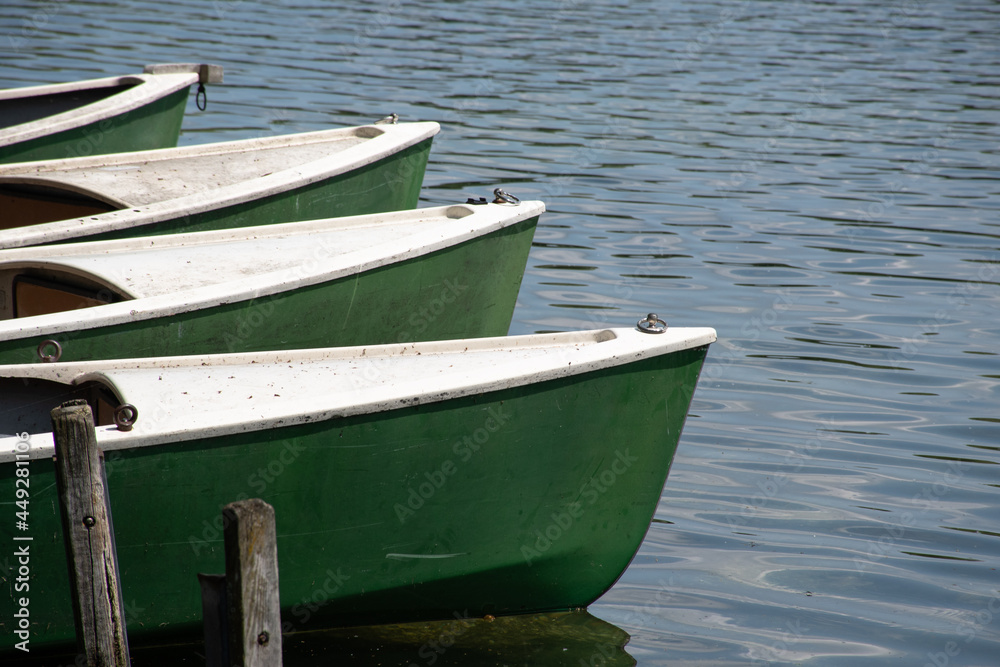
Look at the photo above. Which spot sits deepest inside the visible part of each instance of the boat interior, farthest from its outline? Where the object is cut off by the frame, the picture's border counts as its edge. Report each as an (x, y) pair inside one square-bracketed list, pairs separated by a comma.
[(26, 204), (27, 292), (18, 110), (28, 403)]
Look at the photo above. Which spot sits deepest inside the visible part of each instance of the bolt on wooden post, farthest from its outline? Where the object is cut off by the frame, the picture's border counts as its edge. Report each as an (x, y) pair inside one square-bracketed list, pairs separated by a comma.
[(98, 611)]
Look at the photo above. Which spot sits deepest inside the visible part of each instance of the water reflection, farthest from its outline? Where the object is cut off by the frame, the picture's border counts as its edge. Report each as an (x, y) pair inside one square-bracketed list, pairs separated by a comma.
[(570, 639), (565, 639)]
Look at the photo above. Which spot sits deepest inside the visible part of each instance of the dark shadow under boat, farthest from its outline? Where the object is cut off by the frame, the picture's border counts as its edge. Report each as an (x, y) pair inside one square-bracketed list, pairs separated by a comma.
[(563, 639)]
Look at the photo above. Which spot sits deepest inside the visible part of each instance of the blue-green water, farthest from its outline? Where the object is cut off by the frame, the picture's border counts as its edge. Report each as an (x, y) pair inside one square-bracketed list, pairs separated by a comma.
[(819, 181)]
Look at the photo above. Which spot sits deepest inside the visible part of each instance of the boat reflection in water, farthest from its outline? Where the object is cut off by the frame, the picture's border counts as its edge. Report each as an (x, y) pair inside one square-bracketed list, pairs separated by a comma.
[(570, 639), (573, 639)]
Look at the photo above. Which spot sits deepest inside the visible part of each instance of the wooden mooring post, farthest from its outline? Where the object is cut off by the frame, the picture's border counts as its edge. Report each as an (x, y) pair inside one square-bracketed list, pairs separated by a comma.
[(242, 612), (88, 533), (241, 608)]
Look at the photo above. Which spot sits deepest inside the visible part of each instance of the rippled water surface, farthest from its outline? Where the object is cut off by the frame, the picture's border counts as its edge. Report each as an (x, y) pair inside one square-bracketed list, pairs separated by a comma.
[(819, 181)]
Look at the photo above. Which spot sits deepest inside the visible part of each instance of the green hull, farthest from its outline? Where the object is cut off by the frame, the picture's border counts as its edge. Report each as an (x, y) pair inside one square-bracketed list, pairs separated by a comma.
[(525, 499), (465, 291), (156, 125)]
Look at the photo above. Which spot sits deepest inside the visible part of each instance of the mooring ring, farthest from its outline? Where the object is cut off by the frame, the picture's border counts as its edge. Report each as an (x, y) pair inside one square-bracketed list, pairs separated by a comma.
[(49, 358), (504, 197), (652, 324), (126, 415)]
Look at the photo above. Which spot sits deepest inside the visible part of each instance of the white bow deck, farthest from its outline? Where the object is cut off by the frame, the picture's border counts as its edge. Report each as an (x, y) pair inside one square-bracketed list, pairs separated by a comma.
[(146, 177)]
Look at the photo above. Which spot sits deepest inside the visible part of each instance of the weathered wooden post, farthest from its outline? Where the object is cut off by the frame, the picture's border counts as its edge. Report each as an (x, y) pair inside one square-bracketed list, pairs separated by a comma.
[(254, 612), (86, 519)]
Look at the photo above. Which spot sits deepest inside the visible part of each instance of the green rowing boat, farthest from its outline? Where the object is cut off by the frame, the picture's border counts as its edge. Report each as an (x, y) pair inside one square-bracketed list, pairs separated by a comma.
[(288, 178), (425, 274), (411, 481), (98, 116)]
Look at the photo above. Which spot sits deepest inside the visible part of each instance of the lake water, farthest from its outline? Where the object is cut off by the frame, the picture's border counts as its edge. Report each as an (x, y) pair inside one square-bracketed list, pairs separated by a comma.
[(819, 181)]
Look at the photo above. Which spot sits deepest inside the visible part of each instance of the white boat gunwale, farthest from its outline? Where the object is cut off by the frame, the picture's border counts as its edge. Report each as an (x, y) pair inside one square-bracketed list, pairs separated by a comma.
[(196, 150), (486, 365), (465, 223), (383, 141), (146, 88)]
